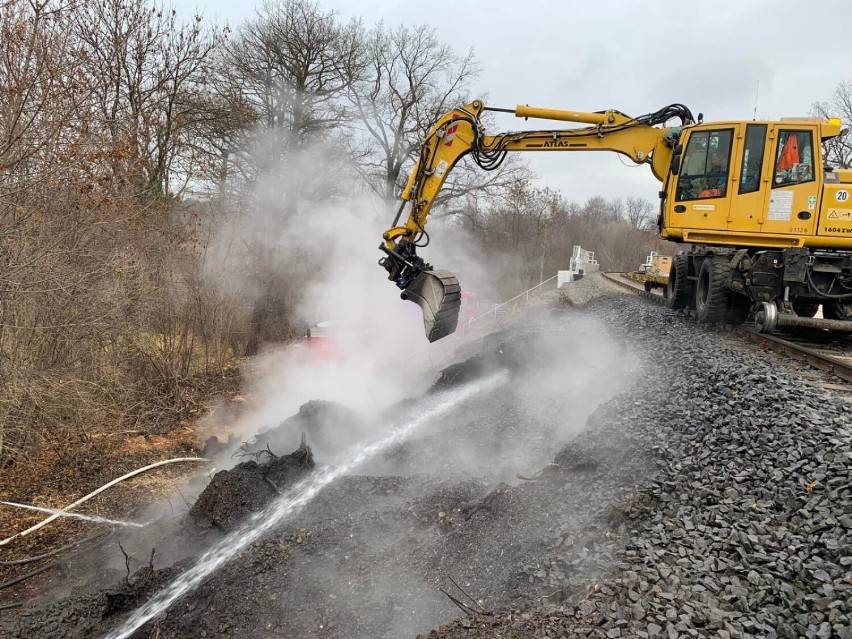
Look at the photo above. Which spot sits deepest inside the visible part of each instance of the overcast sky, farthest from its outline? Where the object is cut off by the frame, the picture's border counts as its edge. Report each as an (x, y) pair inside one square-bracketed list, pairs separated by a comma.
[(631, 55)]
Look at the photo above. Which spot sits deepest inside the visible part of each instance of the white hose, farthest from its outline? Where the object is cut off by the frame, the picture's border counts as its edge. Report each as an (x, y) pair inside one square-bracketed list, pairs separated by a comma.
[(64, 513), (100, 490)]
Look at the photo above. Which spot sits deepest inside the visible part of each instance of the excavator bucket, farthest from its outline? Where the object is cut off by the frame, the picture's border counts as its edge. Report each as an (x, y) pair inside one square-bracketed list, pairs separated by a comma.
[(438, 295)]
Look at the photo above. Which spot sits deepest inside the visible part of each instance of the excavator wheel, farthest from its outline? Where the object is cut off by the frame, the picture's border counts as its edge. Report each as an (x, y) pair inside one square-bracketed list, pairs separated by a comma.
[(438, 295), (679, 287), (712, 295)]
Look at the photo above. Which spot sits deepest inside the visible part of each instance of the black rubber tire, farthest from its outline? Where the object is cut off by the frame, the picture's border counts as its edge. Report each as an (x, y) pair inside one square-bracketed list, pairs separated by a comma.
[(806, 309), (712, 294), (648, 287), (738, 310), (679, 286)]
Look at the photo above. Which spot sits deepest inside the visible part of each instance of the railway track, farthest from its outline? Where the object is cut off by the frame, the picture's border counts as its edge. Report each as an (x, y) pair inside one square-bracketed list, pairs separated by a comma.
[(830, 353)]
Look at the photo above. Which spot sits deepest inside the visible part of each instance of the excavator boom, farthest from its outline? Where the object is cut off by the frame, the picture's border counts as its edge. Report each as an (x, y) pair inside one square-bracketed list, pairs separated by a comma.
[(459, 133)]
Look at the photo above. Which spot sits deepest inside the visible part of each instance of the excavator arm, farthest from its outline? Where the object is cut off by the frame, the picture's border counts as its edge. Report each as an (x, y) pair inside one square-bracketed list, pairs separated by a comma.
[(459, 133)]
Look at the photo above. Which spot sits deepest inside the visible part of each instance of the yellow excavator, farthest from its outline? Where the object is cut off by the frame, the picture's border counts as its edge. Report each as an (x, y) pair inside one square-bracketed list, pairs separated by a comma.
[(769, 223)]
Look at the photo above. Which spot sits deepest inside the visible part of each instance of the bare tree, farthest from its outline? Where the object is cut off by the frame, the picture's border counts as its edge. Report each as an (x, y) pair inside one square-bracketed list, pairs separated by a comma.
[(102, 318), (639, 212), (599, 210), (147, 68), (41, 88), (517, 227), (293, 62), (412, 79), (221, 140), (838, 151)]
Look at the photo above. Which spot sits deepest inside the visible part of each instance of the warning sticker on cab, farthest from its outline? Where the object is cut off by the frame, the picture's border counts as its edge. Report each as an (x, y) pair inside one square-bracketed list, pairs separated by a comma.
[(839, 215)]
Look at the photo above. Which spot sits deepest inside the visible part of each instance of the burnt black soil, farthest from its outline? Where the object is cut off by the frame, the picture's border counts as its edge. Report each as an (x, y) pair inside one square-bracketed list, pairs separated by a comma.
[(232, 495), (370, 555)]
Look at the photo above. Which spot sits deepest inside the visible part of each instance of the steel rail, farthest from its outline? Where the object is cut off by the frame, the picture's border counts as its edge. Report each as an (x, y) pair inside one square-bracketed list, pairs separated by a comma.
[(812, 358)]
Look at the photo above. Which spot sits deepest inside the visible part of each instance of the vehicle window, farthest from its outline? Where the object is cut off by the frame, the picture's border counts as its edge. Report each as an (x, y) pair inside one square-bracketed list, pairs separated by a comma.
[(755, 143), (704, 172), (794, 162)]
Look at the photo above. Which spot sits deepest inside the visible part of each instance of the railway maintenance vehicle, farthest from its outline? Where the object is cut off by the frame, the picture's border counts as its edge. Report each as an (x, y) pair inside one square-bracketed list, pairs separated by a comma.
[(654, 273), (767, 222)]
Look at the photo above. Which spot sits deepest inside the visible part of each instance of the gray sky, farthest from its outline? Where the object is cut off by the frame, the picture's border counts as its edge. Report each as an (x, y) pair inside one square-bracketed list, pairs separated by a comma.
[(631, 55)]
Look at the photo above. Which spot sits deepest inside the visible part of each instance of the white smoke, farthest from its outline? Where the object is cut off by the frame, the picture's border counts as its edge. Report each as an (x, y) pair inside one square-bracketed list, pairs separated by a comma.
[(370, 350)]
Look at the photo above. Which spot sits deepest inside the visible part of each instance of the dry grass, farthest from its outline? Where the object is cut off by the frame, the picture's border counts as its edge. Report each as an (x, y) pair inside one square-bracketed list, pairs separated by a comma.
[(55, 480)]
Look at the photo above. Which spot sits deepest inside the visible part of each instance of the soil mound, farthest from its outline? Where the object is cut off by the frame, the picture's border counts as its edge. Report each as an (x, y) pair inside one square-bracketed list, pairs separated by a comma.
[(234, 494)]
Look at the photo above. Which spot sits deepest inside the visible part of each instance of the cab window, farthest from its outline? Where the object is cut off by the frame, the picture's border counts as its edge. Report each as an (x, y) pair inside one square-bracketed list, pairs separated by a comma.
[(704, 172), (794, 162), (755, 141)]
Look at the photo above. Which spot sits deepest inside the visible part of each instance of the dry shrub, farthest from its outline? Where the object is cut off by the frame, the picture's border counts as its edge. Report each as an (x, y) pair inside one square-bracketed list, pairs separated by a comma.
[(104, 320)]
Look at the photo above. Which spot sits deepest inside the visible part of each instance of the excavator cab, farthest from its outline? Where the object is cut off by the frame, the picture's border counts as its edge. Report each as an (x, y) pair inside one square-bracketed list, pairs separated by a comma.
[(748, 184)]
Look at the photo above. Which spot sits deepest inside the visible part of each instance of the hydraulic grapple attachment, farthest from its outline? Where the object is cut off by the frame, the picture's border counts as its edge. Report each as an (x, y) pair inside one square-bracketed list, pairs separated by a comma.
[(437, 293)]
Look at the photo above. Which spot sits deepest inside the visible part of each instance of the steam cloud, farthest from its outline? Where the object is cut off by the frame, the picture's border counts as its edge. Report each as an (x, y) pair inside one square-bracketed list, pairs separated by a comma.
[(376, 351), (380, 357)]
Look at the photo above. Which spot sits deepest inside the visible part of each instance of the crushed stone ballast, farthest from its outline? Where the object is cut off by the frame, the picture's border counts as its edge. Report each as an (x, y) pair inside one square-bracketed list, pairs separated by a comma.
[(802, 350)]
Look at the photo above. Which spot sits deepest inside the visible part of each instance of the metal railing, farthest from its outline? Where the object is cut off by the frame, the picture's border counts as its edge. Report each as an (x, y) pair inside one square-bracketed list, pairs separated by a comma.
[(494, 311)]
